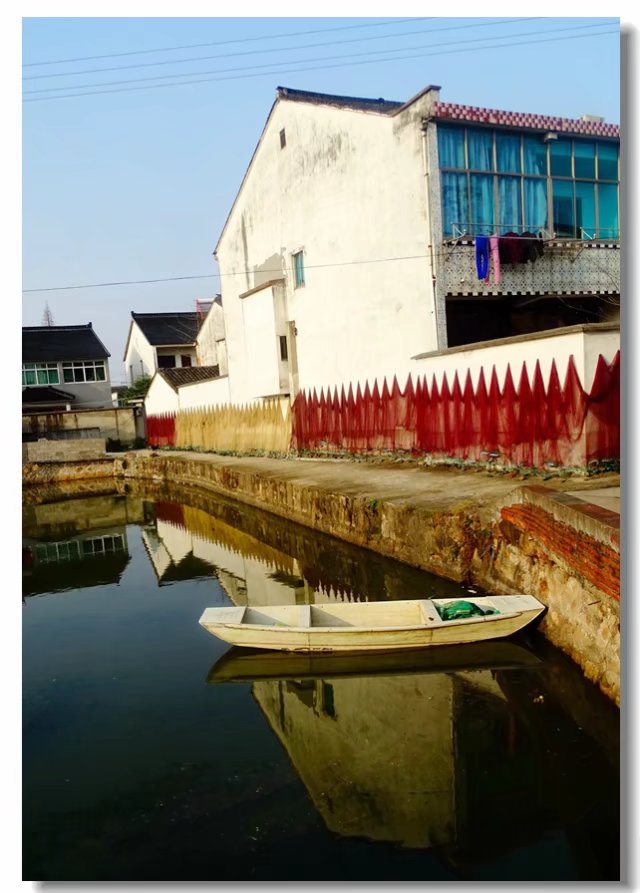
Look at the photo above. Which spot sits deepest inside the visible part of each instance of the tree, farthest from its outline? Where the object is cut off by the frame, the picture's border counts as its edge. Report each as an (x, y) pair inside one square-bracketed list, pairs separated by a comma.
[(47, 316), (138, 389)]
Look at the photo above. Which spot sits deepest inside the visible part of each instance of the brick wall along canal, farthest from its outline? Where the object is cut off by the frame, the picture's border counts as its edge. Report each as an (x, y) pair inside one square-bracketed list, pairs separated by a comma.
[(153, 752)]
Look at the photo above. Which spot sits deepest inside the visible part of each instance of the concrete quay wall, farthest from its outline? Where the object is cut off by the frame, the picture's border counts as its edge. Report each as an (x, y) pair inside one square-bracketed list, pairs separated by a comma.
[(471, 527)]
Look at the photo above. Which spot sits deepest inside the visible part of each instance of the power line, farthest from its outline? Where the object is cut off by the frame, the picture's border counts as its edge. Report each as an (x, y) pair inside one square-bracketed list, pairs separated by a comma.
[(492, 23), (243, 68), (192, 46), (276, 271), (314, 68)]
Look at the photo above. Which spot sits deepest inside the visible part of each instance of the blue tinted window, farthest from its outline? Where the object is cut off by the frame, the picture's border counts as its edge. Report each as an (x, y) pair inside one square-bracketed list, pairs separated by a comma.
[(508, 153), (535, 156), (509, 204), (298, 262), (563, 216), (536, 213), (451, 147), (561, 158), (482, 204), (584, 160), (607, 161), (480, 147), (455, 205), (608, 226), (586, 210)]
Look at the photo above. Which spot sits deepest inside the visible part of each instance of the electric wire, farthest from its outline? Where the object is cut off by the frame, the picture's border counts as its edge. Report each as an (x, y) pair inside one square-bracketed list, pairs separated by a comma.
[(191, 46), (154, 86), (492, 23)]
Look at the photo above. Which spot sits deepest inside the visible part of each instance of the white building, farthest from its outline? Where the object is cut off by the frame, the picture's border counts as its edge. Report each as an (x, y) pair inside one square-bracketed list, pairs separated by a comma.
[(349, 250), (160, 341)]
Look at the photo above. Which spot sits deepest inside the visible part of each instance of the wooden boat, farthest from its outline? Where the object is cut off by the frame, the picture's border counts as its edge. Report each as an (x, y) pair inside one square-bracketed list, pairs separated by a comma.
[(370, 626), (250, 665)]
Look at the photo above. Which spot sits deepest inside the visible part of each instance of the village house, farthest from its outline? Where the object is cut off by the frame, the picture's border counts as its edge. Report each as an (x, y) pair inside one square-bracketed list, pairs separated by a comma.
[(358, 245), (64, 367), (160, 341)]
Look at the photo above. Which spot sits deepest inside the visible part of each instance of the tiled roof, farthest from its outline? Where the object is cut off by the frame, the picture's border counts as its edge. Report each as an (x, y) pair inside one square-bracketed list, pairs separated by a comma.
[(45, 394), (168, 328), (382, 106), (189, 375), (54, 343), (478, 115)]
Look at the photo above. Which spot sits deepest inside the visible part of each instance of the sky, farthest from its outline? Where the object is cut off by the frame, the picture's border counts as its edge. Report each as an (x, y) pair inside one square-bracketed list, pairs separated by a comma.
[(133, 179)]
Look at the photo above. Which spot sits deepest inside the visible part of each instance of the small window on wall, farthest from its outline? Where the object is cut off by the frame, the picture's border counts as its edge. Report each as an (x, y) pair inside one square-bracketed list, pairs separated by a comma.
[(283, 139), (298, 268), (186, 360), (167, 361), (284, 354)]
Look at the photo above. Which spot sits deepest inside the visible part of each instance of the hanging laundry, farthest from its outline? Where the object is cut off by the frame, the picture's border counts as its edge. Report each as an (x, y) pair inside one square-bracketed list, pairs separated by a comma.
[(533, 247), (510, 248), (494, 244), (482, 256)]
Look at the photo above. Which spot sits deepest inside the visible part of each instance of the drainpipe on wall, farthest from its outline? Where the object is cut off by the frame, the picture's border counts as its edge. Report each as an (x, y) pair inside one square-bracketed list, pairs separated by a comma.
[(441, 341)]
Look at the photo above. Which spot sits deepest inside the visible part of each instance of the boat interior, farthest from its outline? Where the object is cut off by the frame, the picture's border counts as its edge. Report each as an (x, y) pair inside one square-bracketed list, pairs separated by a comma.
[(358, 614)]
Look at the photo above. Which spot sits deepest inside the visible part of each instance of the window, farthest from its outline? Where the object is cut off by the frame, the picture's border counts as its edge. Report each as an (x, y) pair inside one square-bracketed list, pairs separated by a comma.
[(84, 370), (283, 139), (40, 373), (284, 354), (51, 553), (298, 268), (185, 359), (99, 545), (166, 361), (496, 181)]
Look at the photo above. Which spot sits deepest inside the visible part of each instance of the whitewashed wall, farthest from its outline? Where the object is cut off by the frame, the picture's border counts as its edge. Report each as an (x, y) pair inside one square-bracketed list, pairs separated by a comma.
[(349, 190), (160, 398), (210, 344), (583, 343), (140, 358), (204, 394)]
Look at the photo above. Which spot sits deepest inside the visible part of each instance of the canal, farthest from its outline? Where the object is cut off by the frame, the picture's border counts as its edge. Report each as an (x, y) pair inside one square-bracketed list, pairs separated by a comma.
[(154, 752)]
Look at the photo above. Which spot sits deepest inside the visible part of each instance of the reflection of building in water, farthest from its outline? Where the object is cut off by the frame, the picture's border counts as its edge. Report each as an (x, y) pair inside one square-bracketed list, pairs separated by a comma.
[(376, 753), (92, 558), (463, 760), (60, 520), (187, 541)]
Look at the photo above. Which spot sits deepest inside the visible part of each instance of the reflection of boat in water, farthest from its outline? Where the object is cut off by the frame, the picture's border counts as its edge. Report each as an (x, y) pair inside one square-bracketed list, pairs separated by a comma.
[(246, 665), (372, 626)]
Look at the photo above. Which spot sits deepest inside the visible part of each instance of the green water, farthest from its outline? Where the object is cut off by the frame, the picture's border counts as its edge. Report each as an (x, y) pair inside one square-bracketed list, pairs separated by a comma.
[(144, 757)]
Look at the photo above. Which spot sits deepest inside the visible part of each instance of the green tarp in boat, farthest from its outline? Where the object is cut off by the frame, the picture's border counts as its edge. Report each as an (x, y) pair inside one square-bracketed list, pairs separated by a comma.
[(459, 610)]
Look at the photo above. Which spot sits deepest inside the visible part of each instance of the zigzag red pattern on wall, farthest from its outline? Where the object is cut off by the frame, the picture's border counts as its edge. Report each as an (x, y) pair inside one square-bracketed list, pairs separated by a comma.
[(531, 424)]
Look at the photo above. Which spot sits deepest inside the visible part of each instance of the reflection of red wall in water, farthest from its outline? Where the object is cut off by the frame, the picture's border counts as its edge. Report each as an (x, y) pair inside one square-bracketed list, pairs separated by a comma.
[(170, 512), (526, 423)]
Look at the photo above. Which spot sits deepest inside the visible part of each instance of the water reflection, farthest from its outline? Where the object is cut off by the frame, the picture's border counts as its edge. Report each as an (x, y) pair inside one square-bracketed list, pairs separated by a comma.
[(260, 559), (494, 761), (73, 544), (441, 748)]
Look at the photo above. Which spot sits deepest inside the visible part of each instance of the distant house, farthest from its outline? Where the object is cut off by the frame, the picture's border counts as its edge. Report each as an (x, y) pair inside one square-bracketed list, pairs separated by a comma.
[(64, 367), (169, 388), (211, 345), (160, 341)]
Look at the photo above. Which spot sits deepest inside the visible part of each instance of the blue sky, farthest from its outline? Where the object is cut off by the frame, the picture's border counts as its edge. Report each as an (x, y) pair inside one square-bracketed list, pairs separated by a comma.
[(137, 184)]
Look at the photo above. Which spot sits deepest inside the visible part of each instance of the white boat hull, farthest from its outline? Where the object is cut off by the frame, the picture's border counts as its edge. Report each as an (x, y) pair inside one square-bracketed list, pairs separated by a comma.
[(368, 626)]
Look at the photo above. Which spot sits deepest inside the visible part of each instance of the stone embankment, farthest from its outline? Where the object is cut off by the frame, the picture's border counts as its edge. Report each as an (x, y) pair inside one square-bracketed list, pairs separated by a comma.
[(487, 529)]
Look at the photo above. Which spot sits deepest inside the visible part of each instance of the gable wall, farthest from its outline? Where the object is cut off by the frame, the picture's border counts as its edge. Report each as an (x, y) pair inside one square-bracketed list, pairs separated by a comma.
[(348, 187)]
